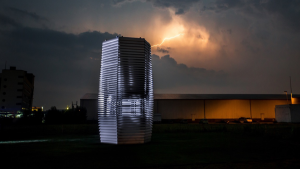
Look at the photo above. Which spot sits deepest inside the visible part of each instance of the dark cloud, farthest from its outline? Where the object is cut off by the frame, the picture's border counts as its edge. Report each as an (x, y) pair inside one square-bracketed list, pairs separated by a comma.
[(180, 6), (162, 50), (179, 11), (121, 2), (65, 65), (116, 2), (15, 17), (57, 39), (210, 8), (287, 11), (283, 13), (168, 74), (7, 21), (243, 38), (227, 4), (33, 15)]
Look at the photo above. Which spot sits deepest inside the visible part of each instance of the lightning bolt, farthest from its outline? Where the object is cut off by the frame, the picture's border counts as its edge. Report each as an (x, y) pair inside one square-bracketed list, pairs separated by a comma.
[(167, 39)]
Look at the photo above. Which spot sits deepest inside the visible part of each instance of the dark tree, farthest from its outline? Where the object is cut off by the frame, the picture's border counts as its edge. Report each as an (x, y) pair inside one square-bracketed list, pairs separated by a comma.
[(31, 117), (37, 116), (53, 116), (75, 115)]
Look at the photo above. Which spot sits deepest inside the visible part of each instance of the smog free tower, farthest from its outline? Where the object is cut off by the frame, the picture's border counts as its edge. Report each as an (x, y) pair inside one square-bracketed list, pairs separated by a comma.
[(125, 100)]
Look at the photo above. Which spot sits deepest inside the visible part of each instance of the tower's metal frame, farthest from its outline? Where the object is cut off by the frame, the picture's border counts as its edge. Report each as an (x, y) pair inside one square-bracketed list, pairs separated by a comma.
[(125, 100)]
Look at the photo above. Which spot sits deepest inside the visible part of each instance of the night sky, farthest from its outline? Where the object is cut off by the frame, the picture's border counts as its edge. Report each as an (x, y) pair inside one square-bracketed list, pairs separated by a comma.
[(225, 46)]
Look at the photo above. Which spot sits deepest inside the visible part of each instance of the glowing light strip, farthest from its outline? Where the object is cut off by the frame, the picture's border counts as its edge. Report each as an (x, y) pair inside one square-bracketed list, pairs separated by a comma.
[(22, 141), (166, 39)]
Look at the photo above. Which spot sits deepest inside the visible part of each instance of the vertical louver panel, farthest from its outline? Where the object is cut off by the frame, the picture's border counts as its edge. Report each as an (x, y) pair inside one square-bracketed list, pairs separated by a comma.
[(125, 102)]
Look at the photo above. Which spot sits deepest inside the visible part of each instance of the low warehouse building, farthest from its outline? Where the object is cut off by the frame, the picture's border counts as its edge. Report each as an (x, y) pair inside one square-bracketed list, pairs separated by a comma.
[(90, 102), (218, 107), (213, 107), (288, 113)]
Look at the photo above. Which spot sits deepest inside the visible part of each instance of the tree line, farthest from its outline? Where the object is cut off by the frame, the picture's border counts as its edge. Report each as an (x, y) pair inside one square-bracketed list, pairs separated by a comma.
[(74, 115)]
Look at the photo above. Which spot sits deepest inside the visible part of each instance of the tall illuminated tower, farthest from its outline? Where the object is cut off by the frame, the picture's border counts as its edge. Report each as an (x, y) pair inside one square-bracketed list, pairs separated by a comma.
[(125, 101)]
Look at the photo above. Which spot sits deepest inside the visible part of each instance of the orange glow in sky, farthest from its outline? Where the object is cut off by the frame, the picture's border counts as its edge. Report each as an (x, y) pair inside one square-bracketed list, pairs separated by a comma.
[(166, 39)]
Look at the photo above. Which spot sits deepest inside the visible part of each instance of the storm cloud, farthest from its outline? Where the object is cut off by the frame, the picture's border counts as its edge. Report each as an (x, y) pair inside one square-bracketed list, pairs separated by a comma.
[(65, 65), (162, 50), (7, 21), (179, 6), (283, 13), (225, 46), (168, 74), (29, 14)]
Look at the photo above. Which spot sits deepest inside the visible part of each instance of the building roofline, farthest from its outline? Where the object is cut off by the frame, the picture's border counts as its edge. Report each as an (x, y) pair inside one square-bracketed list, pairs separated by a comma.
[(211, 96), (89, 96), (225, 96)]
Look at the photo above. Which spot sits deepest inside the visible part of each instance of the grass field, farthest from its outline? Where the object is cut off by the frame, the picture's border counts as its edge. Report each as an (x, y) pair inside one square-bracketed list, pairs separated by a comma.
[(172, 146)]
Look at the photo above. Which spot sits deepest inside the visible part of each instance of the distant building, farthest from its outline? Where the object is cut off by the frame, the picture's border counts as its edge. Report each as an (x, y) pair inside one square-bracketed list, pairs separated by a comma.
[(218, 107), (288, 113), (90, 102), (16, 92)]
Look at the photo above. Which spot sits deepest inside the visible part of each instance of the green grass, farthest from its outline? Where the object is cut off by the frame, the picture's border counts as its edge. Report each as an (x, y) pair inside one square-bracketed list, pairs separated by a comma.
[(172, 146)]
